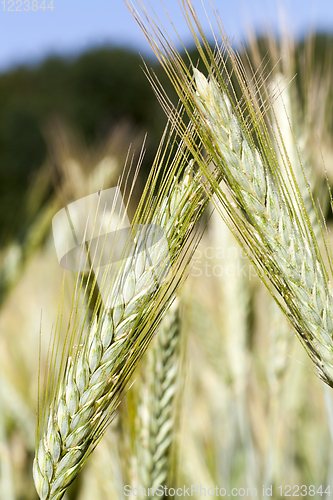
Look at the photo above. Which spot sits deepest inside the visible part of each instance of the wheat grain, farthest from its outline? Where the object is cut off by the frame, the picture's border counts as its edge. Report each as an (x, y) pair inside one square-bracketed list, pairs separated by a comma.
[(286, 108)]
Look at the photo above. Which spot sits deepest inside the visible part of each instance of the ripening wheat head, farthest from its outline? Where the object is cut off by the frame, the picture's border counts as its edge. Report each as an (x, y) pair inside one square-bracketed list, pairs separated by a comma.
[(85, 382), (265, 208), (157, 411)]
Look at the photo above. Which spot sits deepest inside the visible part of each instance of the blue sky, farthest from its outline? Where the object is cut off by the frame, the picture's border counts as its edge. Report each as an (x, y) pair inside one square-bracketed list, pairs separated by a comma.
[(75, 25)]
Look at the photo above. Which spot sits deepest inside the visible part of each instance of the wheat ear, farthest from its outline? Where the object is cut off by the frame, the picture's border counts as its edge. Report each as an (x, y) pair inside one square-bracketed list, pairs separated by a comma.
[(95, 376), (282, 247), (291, 255), (158, 411)]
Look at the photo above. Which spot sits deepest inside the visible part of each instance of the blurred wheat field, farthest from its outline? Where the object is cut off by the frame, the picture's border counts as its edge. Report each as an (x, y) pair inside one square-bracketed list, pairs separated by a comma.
[(249, 408)]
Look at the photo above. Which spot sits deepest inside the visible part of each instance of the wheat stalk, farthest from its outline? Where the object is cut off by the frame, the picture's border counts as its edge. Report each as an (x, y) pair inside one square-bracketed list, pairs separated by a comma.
[(76, 415), (234, 311), (264, 207)]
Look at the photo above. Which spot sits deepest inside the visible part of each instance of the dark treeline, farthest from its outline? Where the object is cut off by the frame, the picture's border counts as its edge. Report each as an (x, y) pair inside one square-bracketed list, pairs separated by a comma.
[(92, 93)]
